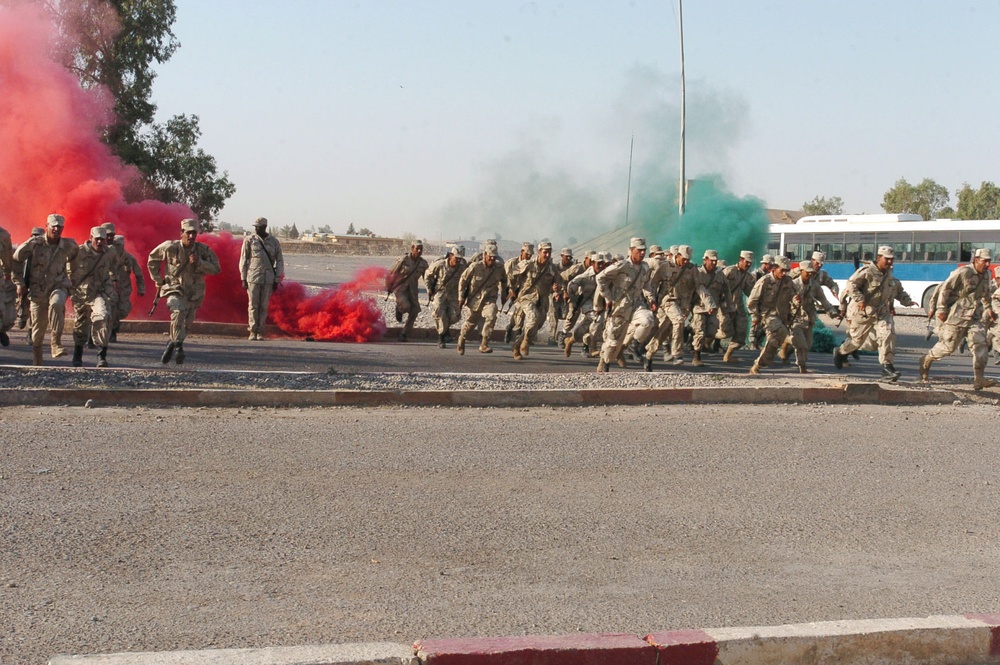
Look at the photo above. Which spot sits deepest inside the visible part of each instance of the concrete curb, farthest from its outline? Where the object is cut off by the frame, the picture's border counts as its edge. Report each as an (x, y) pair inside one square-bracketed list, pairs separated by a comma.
[(376, 653), (866, 393), (971, 639)]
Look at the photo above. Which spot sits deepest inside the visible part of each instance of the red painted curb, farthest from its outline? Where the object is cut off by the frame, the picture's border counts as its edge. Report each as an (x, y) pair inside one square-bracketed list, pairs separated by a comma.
[(685, 647), (992, 620), (584, 649)]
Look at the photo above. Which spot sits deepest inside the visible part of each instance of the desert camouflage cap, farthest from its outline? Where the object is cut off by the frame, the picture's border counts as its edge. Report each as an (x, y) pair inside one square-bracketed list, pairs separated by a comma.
[(544, 245), (566, 251), (783, 262), (37, 231), (711, 254), (637, 243), (55, 220), (747, 254), (189, 225), (527, 247), (807, 266), (416, 242), (655, 249), (886, 251), (109, 228), (686, 251), (260, 221), (672, 249), (819, 256), (491, 250), (98, 232), (457, 250), (767, 258), (983, 253)]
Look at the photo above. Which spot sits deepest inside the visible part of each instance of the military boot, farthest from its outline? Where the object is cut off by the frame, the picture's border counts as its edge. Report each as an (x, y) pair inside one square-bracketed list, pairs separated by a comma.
[(179, 358), (36, 356), (889, 373), (647, 364), (78, 355), (925, 368), (168, 353), (4, 339), (516, 350), (601, 365), (697, 359), (484, 348), (58, 351), (114, 335), (461, 345), (838, 358), (525, 344), (756, 368), (980, 381), (508, 334), (568, 345), (802, 366), (102, 357), (441, 344), (728, 358)]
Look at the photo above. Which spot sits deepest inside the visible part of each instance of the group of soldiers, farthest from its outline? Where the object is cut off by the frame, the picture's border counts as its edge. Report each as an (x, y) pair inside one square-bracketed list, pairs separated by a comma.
[(632, 306), (46, 270)]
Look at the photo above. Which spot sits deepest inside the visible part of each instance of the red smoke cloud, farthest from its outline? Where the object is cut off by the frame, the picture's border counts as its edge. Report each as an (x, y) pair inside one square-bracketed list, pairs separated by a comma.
[(52, 160), (343, 314)]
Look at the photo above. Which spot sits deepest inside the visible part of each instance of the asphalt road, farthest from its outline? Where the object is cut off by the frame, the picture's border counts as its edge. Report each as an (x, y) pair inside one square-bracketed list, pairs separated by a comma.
[(135, 529)]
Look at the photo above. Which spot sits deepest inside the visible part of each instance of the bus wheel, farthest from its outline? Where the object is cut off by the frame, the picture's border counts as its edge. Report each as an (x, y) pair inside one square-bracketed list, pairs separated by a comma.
[(925, 302)]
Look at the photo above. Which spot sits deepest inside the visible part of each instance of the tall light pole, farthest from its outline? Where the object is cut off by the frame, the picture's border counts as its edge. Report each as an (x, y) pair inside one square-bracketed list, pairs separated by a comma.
[(682, 189)]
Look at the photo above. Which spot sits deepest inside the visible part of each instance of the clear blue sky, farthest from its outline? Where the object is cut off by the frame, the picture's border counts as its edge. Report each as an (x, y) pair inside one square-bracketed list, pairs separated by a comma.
[(453, 118)]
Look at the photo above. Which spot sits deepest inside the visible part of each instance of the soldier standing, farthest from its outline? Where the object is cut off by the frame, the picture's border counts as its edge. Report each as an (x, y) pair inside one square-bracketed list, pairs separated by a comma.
[(516, 323), (621, 288), (677, 287), (116, 254), (92, 274), (178, 268), (822, 278), (402, 283), (572, 304), (962, 306), (478, 288), (262, 267), (48, 257), (558, 307), (770, 305), (733, 312), (8, 292), (127, 269), (871, 290), (442, 288)]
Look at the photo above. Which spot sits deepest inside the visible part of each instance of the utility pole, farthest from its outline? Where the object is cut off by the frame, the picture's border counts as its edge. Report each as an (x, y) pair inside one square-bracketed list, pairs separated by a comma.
[(682, 188)]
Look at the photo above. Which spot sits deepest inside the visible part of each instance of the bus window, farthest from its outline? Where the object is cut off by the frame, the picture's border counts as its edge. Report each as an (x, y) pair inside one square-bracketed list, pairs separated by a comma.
[(965, 256), (903, 251), (936, 251)]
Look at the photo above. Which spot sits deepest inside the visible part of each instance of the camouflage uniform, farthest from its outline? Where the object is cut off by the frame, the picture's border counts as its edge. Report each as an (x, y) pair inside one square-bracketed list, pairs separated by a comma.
[(127, 269), (92, 274), (262, 267), (402, 283), (770, 305), (804, 315), (621, 286), (871, 291), (478, 288), (537, 281), (558, 307), (964, 303), (179, 271), (516, 323), (442, 286), (733, 311), (705, 320), (581, 290), (678, 289), (48, 284), (573, 304)]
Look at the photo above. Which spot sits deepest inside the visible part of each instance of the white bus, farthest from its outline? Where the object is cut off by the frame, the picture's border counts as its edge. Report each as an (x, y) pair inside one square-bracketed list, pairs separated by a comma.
[(926, 251)]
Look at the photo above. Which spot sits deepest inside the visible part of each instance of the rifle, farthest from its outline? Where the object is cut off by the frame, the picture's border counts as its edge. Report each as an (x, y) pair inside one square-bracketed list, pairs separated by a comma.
[(156, 301)]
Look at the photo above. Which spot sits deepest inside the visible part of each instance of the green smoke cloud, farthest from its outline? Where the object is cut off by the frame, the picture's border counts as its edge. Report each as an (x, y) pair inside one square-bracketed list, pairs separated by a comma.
[(714, 218)]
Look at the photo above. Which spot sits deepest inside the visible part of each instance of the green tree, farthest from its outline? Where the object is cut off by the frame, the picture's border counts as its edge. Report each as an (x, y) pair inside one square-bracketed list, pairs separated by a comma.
[(325, 229), (366, 232), (184, 172), (350, 229), (114, 44), (824, 206), (928, 199), (293, 233), (982, 203)]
